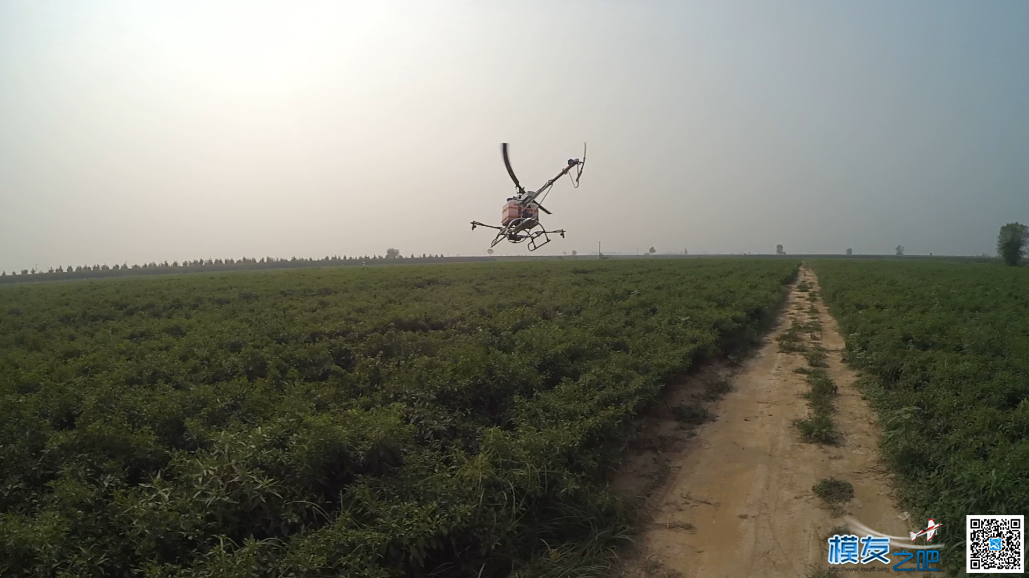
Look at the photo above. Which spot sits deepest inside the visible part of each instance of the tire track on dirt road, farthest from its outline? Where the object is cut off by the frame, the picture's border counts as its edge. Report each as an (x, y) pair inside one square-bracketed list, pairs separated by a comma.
[(738, 499)]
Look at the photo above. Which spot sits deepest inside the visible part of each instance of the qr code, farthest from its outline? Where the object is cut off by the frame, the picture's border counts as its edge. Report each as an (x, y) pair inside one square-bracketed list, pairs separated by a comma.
[(995, 544)]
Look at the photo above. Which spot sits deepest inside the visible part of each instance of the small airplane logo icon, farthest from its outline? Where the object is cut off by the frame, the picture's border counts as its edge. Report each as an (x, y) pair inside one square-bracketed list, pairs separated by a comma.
[(929, 530)]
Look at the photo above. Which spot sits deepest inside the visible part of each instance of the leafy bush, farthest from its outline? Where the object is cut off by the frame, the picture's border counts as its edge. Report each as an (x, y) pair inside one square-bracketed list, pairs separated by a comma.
[(822, 393), (819, 428), (817, 356), (790, 340), (834, 491)]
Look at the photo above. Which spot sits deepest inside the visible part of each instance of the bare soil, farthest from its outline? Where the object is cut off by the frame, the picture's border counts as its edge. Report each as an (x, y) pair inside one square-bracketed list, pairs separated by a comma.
[(733, 497)]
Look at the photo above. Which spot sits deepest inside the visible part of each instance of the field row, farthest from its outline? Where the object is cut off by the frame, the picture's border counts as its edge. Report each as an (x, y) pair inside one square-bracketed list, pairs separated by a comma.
[(361, 422), (945, 351)]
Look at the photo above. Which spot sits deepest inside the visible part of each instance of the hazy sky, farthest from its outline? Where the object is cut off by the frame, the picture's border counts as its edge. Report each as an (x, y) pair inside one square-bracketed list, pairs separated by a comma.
[(143, 131)]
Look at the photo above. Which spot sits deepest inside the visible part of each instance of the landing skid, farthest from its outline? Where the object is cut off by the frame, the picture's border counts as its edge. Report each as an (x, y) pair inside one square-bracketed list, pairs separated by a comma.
[(517, 233), (533, 245)]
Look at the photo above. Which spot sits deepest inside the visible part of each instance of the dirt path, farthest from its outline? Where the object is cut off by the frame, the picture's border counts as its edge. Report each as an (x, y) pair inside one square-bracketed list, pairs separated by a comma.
[(738, 500)]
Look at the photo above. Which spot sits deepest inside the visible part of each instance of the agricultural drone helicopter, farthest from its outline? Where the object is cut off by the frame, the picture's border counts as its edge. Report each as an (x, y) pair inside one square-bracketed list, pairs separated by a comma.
[(520, 220)]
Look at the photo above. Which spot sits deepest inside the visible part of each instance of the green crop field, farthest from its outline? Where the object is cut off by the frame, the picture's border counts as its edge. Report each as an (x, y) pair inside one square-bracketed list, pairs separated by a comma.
[(945, 348), (372, 422)]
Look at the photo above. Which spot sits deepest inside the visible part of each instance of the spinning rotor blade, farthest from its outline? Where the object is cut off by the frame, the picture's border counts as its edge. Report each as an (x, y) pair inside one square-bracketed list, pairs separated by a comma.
[(581, 164), (510, 171)]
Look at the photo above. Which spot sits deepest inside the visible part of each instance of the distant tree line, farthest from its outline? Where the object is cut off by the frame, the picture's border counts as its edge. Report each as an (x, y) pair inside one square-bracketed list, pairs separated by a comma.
[(246, 263)]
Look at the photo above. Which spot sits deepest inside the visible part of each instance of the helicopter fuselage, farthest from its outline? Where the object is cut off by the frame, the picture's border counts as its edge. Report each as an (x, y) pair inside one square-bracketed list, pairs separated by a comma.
[(521, 212)]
